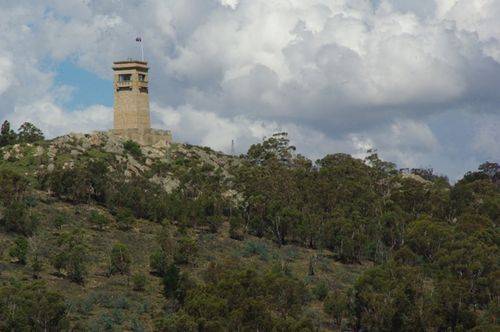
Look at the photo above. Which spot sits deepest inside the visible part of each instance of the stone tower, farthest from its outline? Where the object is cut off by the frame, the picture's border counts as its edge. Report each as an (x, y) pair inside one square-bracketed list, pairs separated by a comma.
[(131, 110)]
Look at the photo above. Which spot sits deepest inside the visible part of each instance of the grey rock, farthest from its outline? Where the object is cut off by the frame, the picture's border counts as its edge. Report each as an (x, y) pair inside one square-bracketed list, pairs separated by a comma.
[(168, 184), (39, 151), (6, 155)]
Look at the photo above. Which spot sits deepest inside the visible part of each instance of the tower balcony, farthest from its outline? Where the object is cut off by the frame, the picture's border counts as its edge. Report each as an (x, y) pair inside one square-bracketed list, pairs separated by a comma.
[(123, 83)]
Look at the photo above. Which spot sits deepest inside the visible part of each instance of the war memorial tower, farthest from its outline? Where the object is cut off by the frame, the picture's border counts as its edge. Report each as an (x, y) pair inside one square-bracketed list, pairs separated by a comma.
[(131, 104), (131, 109)]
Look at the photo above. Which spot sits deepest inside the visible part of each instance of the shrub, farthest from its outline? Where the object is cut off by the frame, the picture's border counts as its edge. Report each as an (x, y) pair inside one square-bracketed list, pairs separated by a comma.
[(172, 283), (19, 250), (236, 298), (256, 248), (145, 199), (72, 184), (124, 218), (236, 228), (17, 218), (158, 262), (13, 186), (144, 307), (98, 220), (104, 323), (85, 306), (60, 220), (117, 315), (76, 264), (36, 266), (119, 259), (72, 256), (139, 281), (186, 249), (320, 290), (336, 306), (121, 302), (133, 148), (80, 184), (166, 241), (30, 201), (311, 266), (214, 223), (137, 326), (31, 307), (178, 322)]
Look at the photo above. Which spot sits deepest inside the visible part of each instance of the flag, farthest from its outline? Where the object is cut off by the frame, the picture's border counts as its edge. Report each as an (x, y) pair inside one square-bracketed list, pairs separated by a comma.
[(138, 39)]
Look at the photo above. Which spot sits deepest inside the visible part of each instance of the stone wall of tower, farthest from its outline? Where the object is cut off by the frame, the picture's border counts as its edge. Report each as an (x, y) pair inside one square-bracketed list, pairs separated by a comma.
[(156, 137), (131, 107), (131, 98)]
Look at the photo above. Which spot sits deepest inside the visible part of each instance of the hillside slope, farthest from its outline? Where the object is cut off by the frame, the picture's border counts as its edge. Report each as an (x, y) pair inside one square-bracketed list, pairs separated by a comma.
[(106, 301), (99, 233)]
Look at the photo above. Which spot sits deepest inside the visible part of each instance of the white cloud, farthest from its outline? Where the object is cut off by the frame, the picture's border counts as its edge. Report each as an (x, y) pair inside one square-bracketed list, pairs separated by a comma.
[(6, 74), (208, 129), (54, 121), (339, 75), (230, 3), (486, 140), (406, 141)]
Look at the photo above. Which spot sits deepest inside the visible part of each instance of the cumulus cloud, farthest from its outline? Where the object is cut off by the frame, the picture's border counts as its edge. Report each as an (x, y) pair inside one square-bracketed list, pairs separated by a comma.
[(407, 141), (339, 75), (55, 121), (6, 77), (230, 3), (486, 139)]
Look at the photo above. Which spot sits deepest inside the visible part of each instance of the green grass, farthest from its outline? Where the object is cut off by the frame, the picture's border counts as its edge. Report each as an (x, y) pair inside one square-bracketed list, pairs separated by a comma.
[(97, 154)]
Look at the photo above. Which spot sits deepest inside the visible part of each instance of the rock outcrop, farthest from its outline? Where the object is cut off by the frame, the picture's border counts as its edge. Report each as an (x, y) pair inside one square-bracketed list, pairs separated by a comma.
[(67, 151)]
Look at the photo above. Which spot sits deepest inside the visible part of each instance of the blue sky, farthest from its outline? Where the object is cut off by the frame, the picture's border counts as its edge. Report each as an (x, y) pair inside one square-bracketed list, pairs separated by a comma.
[(89, 88), (417, 80)]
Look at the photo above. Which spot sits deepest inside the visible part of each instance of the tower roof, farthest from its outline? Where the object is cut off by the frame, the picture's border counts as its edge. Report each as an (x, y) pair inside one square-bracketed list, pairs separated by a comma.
[(130, 64)]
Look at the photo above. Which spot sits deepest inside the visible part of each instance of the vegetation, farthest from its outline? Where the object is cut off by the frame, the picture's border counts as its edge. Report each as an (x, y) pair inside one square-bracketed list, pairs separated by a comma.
[(140, 282), (266, 241), (71, 256), (133, 148), (27, 133), (238, 298), (119, 259), (20, 250), (31, 307)]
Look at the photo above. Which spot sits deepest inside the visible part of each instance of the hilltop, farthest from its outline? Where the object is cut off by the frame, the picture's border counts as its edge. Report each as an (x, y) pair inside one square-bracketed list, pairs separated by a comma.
[(124, 156), (106, 234)]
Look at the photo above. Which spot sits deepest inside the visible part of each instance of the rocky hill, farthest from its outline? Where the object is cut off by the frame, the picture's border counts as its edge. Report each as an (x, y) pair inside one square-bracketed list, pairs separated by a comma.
[(67, 150), (109, 302), (99, 233)]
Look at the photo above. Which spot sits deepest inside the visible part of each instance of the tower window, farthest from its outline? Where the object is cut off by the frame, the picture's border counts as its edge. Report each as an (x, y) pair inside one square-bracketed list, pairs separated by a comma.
[(142, 77), (143, 89), (124, 77), (124, 88)]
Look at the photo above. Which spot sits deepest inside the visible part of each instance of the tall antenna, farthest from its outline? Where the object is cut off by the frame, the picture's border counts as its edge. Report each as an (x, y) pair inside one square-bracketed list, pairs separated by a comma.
[(232, 147)]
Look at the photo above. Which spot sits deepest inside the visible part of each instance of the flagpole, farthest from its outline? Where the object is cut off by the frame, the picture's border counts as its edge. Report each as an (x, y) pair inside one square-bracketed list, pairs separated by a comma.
[(139, 40)]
